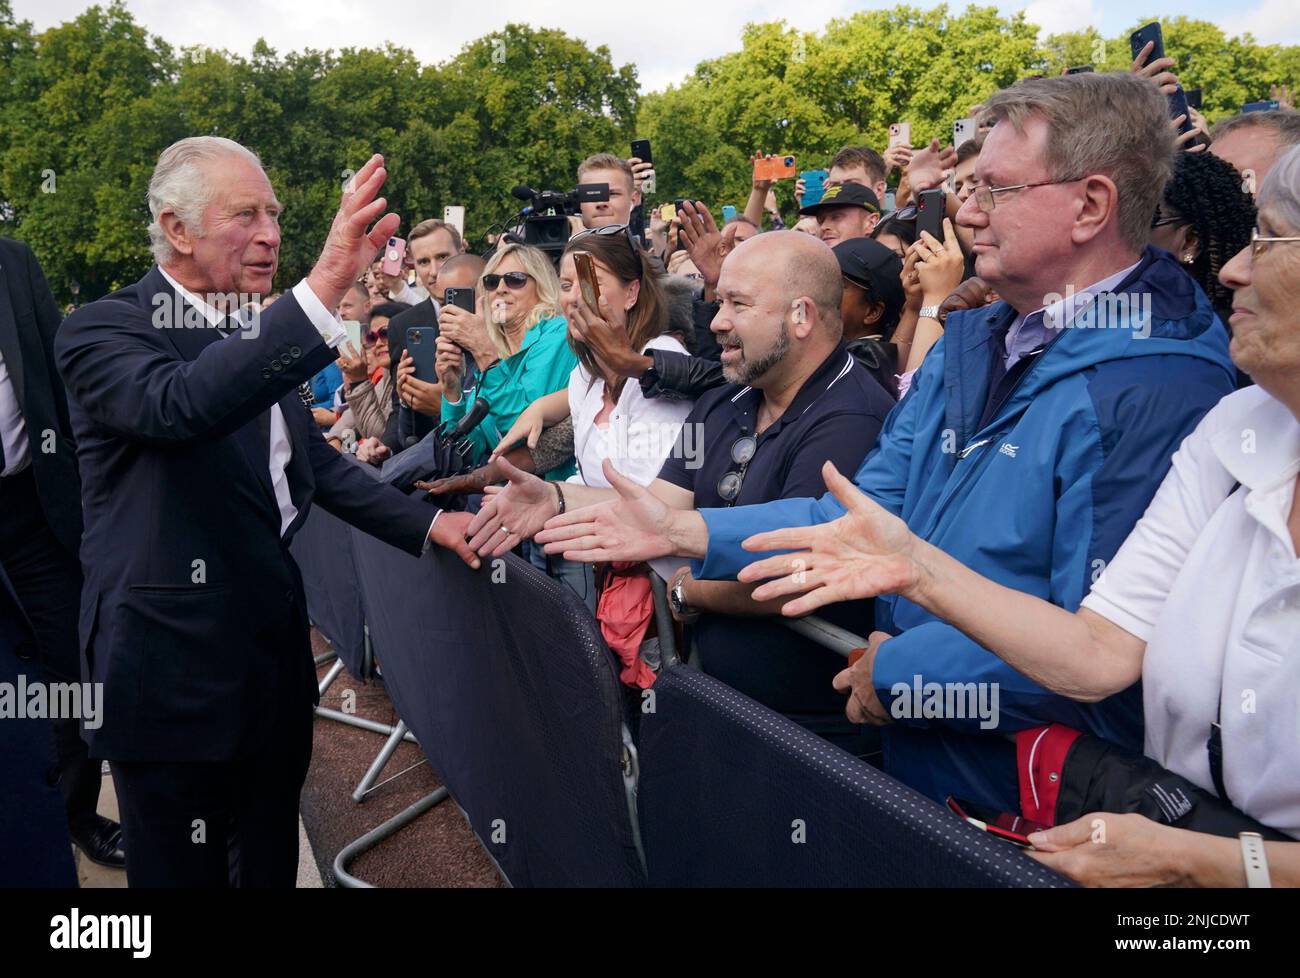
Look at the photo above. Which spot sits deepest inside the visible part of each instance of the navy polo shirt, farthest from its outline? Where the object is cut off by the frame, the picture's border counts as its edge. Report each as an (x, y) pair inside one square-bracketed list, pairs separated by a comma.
[(837, 415)]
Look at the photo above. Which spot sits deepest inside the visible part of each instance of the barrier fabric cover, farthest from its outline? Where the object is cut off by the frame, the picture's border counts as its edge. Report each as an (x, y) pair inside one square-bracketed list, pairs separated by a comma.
[(505, 681), (322, 549), (733, 794)]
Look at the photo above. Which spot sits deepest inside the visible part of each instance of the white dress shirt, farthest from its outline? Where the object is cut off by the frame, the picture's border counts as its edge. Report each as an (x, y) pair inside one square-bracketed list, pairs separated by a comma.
[(13, 429), (1210, 580), (332, 332)]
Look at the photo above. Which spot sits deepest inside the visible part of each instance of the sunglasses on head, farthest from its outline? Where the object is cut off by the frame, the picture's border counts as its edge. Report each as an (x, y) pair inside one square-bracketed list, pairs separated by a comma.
[(373, 336), (621, 229), (513, 280)]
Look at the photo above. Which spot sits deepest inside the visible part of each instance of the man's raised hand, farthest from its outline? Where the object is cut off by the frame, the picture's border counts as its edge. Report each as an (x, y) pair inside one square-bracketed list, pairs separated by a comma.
[(867, 551), (349, 247)]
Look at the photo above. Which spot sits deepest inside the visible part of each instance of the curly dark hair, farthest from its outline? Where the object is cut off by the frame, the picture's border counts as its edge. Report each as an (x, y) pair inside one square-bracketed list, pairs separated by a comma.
[(1207, 193)]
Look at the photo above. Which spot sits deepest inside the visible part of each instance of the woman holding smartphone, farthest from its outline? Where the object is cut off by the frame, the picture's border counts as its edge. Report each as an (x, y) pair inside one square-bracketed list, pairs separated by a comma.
[(516, 342), (612, 419), (1201, 603)]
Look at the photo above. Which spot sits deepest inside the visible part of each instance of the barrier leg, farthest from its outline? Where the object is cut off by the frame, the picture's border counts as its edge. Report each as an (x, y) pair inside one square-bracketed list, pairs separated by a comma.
[(378, 834), (330, 676), (381, 759)]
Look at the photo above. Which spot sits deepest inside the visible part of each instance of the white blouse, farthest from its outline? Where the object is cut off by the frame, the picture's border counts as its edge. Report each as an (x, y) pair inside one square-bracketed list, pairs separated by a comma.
[(637, 436), (1210, 580)]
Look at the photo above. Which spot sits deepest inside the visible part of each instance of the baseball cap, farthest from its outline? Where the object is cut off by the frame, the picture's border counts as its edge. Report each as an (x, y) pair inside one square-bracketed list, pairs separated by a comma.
[(845, 195), (877, 269)]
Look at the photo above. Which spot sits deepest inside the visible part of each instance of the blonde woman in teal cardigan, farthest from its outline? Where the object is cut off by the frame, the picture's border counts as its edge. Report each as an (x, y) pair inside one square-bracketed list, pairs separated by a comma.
[(518, 340)]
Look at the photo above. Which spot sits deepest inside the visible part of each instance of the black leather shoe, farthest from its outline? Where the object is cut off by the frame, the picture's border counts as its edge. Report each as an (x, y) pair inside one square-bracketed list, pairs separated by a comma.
[(102, 843)]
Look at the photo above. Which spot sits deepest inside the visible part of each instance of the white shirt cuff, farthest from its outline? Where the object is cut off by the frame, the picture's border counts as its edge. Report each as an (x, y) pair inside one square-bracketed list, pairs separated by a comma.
[(327, 324), (428, 540)]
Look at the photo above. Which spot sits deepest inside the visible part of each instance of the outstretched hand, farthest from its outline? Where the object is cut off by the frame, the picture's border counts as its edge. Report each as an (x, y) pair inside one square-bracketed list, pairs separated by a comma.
[(867, 551), (636, 526), (511, 513)]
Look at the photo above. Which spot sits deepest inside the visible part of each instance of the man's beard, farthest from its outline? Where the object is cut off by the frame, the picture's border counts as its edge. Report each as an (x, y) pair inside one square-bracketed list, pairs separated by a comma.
[(748, 371)]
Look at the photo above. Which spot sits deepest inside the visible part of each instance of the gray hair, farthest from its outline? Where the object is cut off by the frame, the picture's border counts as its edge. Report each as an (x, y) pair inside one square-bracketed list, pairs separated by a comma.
[(1281, 190), (1112, 123), (1284, 123), (181, 184)]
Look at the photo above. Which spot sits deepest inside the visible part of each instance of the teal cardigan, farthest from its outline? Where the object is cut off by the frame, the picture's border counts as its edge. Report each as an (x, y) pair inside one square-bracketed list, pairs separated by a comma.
[(542, 366)]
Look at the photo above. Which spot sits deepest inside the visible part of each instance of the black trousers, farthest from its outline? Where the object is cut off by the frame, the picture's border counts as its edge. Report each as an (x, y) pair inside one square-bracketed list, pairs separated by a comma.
[(214, 825), (47, 580)]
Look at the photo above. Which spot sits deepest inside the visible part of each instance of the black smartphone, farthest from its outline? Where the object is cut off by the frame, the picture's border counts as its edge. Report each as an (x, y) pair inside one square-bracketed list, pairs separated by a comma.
[(1152, 34), (1194, 98), (929, 212), (641, 150), (1079, 69), (461, 298), (422, 345)]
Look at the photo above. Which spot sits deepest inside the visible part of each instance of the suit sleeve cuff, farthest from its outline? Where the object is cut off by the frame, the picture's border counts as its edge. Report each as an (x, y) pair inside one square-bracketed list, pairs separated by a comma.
[(327, 324)]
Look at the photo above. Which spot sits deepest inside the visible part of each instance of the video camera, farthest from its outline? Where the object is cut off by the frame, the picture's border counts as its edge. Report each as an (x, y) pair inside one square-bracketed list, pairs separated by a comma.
[(544, 220)]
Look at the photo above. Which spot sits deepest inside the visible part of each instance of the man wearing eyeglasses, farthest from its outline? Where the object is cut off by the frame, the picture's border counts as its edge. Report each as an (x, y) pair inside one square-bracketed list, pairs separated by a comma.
[(1033, 436)]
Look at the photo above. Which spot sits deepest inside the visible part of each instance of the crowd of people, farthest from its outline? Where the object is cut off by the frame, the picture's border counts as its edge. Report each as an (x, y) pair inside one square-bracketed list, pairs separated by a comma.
[(1051, 451)]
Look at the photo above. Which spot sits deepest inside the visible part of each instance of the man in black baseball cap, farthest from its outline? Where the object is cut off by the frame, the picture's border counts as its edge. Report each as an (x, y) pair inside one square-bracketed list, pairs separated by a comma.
[(846, 211), (872, 304)]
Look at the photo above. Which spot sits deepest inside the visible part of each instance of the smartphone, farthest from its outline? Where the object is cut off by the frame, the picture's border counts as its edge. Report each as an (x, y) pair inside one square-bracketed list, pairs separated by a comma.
[(394, 257), (353, 328), (462, 298), (1084, 69), (641, 150), (962, 130), (775, 168), (455, 216), (929, 212), (1266, 105), (1004, 825), (900, 134), (1151, 33), (814, 185), (728, 213), (421, 344), (667, 212), (677, 204), (586, 267), (1194, 98)]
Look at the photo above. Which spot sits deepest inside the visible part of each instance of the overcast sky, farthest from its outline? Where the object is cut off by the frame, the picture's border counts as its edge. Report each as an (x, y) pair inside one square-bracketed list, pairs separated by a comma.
[(663, 39)]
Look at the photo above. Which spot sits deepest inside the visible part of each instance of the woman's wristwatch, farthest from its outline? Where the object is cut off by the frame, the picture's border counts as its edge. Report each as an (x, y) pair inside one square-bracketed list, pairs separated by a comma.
[(929, 312), (1254, 859)]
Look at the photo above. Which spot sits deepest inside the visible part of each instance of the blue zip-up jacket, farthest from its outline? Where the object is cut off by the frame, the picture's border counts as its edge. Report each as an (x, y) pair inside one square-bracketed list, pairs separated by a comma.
[(323, 385), (1039, 499)]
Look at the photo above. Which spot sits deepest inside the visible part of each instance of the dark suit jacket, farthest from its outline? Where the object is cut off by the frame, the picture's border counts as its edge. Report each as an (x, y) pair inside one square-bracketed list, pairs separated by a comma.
[(404, 423), (192, 612), (29, 319)]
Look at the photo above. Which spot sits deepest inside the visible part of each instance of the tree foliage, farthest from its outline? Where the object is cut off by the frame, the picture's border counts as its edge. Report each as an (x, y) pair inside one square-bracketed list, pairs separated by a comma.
[(86, 107)]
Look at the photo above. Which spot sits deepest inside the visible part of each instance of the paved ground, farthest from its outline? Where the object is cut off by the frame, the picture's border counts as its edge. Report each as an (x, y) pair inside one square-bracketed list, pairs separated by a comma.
[(438, 849)]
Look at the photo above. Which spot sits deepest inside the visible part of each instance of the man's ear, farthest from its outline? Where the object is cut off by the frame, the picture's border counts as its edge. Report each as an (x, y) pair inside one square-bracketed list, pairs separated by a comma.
[(180, 237), (874, 313)]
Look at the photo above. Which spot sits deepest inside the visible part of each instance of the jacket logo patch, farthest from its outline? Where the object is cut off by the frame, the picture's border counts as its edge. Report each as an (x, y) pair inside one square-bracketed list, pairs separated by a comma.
[(1009, 449)]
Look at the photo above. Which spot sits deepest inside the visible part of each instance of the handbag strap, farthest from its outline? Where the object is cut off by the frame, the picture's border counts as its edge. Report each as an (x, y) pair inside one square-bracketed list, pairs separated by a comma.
[(1214, 746)]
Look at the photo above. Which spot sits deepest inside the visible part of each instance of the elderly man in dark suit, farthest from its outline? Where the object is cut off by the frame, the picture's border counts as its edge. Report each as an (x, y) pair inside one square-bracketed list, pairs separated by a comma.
[(40, 526), (199, 463)]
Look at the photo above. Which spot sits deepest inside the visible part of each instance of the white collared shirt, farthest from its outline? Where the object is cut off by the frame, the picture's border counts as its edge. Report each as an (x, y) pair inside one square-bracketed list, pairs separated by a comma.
[(13, 429), (1210, 580), (332, 332)]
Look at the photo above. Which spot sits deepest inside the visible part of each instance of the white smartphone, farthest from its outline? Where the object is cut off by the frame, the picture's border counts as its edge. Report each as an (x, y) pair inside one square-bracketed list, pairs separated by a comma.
[(353, 328), (900, 134), (962, 130), (455, 216)]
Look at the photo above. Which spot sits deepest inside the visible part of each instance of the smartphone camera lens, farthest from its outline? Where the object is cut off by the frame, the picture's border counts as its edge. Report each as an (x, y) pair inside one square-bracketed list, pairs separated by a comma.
[(789, 161)]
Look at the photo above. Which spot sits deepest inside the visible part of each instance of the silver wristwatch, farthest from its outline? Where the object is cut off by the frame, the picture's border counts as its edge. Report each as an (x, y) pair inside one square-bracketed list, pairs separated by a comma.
[(929, 312)]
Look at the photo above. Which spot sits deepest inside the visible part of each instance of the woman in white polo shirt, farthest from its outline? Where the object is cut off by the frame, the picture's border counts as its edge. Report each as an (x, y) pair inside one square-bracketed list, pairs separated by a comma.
[(1202, 602)]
